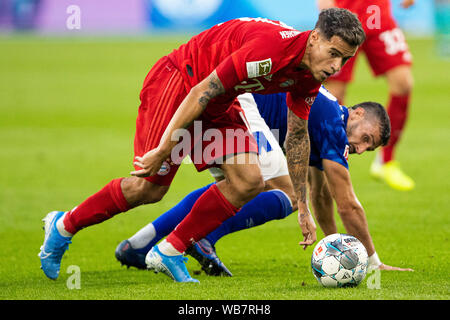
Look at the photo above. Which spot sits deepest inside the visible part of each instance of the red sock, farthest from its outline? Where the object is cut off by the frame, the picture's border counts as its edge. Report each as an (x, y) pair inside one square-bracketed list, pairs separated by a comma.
[(210, 210), (97, 208), (398, 113)]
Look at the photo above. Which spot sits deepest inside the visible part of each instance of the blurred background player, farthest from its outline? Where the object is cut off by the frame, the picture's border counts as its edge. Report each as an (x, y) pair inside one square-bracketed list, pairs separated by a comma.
[(388, 55), (335, 131)]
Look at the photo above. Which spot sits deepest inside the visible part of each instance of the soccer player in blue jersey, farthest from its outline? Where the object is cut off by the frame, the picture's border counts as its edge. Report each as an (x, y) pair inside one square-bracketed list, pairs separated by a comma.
[(335, 132)]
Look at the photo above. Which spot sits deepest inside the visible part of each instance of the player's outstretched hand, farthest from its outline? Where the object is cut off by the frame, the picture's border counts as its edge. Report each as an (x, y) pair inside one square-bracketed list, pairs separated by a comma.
[(390, 268), (150, 163), (308, 227)]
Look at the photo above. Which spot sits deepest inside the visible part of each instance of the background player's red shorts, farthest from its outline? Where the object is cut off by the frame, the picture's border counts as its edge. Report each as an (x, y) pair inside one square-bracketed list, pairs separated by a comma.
[(162, 93), (385, 49)]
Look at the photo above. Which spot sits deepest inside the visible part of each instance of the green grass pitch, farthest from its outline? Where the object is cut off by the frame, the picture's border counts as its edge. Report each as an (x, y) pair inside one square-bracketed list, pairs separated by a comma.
[(67, 119)]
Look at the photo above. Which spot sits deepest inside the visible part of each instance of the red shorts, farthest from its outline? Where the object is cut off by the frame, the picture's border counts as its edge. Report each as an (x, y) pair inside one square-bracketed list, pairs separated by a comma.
[(385, 49), (207, 141)]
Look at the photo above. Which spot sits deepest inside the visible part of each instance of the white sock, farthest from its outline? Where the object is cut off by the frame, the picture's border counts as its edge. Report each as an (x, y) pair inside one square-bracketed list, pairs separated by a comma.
[(143, 237), (61, 229), (168, 249)]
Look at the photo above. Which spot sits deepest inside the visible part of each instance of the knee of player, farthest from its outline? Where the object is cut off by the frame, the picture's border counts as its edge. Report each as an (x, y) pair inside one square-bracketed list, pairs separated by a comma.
[(154, 196), (402, 84), (139, 191), (405, 87), (251, 186)]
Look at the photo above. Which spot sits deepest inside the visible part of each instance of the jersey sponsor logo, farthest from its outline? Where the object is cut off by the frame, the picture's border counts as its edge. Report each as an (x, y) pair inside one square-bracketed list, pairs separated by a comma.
[(259, 68), (346, 151), (252, 85)]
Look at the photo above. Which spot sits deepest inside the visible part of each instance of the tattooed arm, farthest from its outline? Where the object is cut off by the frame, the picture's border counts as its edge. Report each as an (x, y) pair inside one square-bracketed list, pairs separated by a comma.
[(297, 156), (190, 109)]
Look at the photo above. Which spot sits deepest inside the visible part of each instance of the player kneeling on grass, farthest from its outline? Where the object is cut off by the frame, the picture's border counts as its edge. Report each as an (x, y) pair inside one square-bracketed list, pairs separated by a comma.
[(335, 132)]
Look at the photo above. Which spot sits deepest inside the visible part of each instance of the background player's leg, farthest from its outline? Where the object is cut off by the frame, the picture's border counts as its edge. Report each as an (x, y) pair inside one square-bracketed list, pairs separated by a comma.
[(400, 82)]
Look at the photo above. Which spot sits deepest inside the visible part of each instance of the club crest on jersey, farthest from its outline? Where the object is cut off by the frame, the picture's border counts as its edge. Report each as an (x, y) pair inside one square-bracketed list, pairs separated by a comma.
[(346, 151), (165, 168), (310, 100), (259, 68)]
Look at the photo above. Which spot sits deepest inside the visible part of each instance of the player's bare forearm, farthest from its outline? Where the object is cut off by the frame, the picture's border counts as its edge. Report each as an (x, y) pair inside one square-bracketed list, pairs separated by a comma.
[(349, 208), (354, 220), (297, 156), (190, 109)]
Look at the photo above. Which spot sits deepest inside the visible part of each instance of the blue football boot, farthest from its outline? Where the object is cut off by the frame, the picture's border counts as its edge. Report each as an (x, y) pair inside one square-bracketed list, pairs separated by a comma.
[(172, 266), (205, 254), (130, 257), (53, 247)]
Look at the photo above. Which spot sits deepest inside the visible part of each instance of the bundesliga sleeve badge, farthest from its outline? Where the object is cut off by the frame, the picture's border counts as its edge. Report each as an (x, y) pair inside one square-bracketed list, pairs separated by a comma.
[(259, 68)]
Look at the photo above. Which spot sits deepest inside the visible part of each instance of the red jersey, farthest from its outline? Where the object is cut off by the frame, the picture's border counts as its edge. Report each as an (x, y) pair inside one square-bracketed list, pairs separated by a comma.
[(249, 55), (368, 11)]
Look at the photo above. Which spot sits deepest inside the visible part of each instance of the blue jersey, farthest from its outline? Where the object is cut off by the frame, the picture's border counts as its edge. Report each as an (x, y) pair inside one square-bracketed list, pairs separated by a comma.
[(326, 125)]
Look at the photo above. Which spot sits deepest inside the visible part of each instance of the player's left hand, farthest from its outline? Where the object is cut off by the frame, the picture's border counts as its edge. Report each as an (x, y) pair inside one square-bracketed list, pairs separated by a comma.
[(150, 163), (390, 268)]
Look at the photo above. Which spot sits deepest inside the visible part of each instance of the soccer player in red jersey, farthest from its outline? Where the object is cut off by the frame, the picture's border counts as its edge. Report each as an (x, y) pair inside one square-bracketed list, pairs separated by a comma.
[(388, 54), (200, 81)]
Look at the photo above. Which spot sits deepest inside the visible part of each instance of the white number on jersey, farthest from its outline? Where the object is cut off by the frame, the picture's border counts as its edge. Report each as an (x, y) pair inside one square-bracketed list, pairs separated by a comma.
[(394, 41)]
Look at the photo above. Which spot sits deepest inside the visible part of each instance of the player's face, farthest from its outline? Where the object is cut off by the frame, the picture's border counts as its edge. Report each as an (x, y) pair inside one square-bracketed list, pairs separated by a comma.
[(326, 57), (362, 134)]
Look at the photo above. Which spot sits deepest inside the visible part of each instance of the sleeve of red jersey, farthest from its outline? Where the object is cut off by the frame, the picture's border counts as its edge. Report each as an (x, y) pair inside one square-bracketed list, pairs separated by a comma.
[(300, 102)]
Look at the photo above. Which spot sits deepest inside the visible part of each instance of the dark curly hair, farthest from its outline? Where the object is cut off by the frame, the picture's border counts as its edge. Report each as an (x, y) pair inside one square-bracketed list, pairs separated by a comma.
[(342, 23)]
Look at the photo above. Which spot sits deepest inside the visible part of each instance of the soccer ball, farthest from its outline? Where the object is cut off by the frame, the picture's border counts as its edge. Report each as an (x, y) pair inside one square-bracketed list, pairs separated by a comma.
[(339, 260)]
